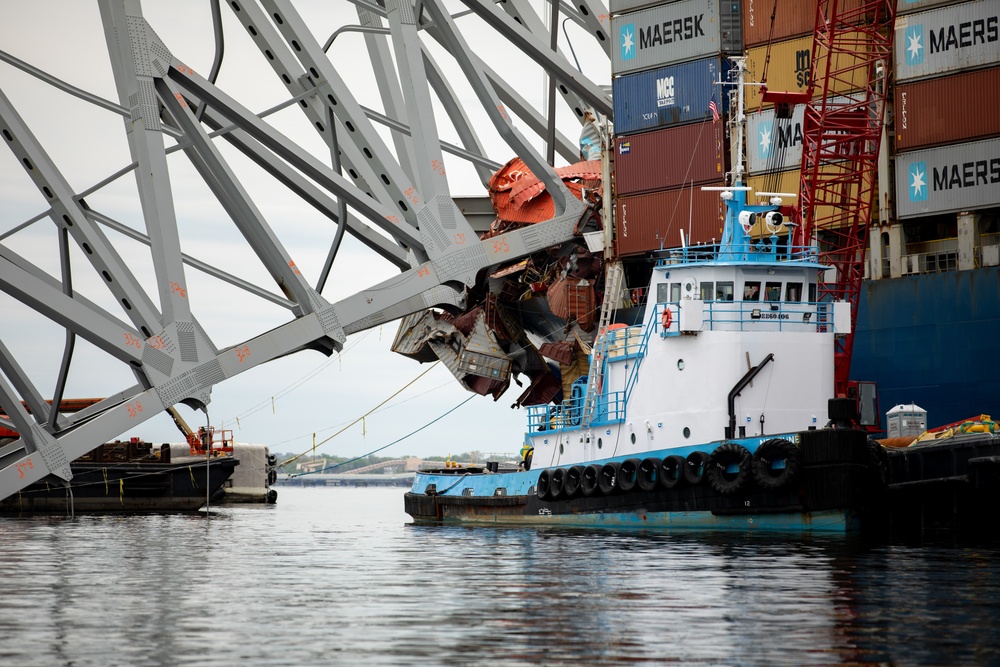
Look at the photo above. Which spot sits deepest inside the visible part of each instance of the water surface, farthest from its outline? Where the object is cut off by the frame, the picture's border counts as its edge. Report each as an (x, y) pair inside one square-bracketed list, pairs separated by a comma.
[(340, 576)]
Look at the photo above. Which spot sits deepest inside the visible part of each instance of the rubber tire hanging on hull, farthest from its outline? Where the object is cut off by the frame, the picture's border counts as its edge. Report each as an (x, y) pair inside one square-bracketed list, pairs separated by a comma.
[(589, 482), (556, 482), (770, 452), (628, 475), (648, 475), (571, 485), (695, 466), (672, 471), (543, 484), (725, 455), (606, 480)]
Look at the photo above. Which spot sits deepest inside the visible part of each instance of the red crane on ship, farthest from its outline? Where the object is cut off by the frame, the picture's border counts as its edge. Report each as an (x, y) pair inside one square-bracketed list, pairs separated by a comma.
[(842, 133)]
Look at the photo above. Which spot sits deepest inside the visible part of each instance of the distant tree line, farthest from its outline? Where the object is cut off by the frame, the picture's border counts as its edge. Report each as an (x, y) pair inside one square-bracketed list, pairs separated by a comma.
[(342, 464)]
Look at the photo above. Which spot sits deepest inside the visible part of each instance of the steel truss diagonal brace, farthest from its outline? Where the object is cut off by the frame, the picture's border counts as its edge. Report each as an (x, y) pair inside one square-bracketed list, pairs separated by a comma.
[(455, 43), (309, 192), (553, 63), (74, 314), (138, 57), (331, 86), (236, 200), (192, 83), (70, 215), (317, 106)]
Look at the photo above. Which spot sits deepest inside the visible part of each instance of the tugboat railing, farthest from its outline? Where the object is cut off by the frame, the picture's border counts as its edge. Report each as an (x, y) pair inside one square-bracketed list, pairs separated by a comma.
[(753, 250)]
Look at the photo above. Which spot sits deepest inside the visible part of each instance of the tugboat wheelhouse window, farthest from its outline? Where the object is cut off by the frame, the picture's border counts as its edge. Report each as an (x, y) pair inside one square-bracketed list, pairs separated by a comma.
[(668, 292), (751, 291), (724, 291), (707, 291), (793, 292), (812, 292), (772, 292)]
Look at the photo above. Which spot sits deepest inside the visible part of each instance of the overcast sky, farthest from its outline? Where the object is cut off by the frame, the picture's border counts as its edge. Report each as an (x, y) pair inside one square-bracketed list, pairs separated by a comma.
[(284, 402)]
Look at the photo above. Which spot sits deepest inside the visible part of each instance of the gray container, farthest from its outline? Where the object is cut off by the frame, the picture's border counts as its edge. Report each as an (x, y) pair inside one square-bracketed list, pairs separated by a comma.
[(672, 33), (959, 177), (766, 139), (910, 6), (949, 39)]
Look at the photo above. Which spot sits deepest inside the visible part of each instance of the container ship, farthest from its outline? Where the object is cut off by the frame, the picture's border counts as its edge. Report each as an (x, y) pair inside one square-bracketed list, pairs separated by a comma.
[(930, 299)]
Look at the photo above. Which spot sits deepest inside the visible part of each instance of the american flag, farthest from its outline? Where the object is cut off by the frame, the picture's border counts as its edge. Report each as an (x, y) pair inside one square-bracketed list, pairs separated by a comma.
[(715, 110)]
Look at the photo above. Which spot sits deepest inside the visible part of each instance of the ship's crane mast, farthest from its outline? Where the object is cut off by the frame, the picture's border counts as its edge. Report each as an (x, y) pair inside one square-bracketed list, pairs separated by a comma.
[(842, 132)]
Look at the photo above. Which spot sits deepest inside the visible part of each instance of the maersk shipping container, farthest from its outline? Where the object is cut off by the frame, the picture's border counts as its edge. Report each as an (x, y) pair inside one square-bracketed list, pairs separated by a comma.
[(788, 69), (669, 96), (648, 222), (793, 18), (668, 34), (669, 158), (776, 145), (959, 177), (949, 39), (948, 109), (910, 6)]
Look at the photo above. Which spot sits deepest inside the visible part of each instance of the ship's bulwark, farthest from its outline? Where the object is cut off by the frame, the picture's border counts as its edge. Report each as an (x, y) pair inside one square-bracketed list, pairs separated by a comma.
[(931, 339)]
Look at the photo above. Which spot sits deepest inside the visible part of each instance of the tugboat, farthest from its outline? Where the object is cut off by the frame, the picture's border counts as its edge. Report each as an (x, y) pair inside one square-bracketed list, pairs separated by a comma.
[(705, 415)]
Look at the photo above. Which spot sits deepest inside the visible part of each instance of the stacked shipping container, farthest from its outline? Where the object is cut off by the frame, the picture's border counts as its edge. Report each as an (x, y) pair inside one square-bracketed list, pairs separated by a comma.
[(947, 107), (667, 62)]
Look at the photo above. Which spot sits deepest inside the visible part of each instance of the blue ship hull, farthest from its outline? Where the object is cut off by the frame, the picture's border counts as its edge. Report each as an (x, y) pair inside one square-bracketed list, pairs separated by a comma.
[(931, 339), (825, 491)]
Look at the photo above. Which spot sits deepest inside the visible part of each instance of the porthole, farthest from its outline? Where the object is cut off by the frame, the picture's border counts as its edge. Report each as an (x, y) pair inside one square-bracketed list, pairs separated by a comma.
[(687, 432), (680, 364), (633, 438), (599, 443), (561, 449)]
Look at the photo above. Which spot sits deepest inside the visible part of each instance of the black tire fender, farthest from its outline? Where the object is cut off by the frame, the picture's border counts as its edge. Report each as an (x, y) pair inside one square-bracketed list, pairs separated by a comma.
[(724, 456), (775, 464), (589, 481), (606, 480), (672, 471), (574, 477), (695, 466), (649, 473), (628, 475)]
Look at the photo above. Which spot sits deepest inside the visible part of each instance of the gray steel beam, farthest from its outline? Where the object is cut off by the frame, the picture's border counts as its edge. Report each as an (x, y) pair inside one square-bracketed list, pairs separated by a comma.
[(456, 113), (73, 314), (388, 86), (236, 200), (69, 214), (279, 56), (429, 165), (294, 155), (527, 17), (551, 62), (317, 198), (497, 114), (22, 384), (137, 58), (336, 94)]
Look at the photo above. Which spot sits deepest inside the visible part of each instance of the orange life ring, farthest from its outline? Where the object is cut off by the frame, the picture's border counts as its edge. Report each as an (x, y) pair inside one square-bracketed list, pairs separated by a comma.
[(666, 319)]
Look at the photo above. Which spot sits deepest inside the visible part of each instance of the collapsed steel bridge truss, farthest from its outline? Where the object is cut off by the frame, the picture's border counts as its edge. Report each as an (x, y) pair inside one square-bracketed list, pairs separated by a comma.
[(395, 200)]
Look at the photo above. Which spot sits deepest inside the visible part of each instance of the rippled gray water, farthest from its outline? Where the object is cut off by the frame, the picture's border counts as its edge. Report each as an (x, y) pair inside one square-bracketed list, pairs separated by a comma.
[(339, 576)]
